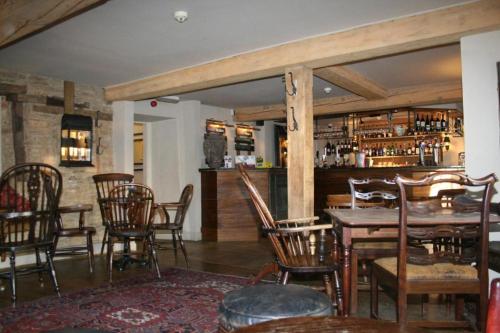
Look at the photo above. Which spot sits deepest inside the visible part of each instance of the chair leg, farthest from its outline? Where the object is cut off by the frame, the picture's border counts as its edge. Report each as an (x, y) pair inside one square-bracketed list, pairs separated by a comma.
[(373, 296), (354, 282), (110, 259), (338, 291), (39, 265), (265, 270), (401, 308), (13, 276), (284, 278), (174, 242), (52, 270), (183, 247), (328, 287), (90, 250), (154, 256), (104, 239), (459, 307)]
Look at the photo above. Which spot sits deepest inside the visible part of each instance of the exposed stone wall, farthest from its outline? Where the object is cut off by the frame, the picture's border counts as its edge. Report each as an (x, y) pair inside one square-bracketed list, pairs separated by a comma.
[(42, 126)]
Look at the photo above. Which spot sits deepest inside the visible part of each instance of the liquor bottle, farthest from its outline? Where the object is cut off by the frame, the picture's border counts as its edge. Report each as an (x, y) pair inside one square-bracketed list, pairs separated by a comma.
[(415, 148), (443, 123), (402, 151), (422, 124), (433, 124), (427, 124), (438, 124), (409, 150), (328, 149), (384, 150), (417, 123)]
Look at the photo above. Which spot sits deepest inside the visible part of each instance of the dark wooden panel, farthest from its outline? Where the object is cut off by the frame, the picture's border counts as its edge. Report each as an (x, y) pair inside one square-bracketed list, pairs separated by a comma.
[(209, 206)]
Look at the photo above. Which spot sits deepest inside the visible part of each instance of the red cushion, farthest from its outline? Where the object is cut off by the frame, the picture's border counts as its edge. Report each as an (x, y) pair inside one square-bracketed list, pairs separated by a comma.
[(10, 199), (493, 321)]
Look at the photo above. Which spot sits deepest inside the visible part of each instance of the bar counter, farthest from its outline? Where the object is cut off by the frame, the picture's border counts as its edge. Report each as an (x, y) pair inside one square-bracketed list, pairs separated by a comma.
[(228, 213)]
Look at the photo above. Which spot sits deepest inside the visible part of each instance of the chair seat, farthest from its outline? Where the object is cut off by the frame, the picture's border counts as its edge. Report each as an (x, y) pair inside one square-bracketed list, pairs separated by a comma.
[(130, 233), (165, 226), (440, 271), (375, 245), (256, 304), (76, 231)]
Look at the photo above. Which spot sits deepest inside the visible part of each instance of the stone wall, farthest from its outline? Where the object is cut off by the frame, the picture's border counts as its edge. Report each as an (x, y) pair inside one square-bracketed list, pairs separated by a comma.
[(42, 126)]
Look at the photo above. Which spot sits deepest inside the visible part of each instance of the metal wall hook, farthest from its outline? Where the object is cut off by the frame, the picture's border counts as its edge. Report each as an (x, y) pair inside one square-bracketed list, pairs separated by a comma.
[(295, 126), (98, 149), (96, 124), (294, 87)]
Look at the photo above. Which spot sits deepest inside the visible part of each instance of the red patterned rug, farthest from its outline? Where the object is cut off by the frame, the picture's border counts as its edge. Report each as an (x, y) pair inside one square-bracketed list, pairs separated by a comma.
[(183, 301)]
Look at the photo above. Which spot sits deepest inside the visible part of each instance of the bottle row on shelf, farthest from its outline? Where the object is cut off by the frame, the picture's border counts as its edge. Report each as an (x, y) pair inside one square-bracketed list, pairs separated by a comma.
[(407, 149)]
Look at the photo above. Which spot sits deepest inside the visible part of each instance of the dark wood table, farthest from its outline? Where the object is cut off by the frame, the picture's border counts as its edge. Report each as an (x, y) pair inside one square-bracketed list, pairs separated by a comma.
[(326, 325), (382, 223)]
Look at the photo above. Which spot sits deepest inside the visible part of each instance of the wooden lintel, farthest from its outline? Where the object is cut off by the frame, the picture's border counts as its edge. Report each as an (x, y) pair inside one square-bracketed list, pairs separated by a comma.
[(352, 81), (60, 110), (10, 89), (430, 29), (438, 93), (20, 19)]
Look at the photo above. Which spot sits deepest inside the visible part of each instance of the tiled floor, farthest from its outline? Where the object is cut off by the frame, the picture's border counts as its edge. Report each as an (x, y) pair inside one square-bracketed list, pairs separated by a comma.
[(233, 258)]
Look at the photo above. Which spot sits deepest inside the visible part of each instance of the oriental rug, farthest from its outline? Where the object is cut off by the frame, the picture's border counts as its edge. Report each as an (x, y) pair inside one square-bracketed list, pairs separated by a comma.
[(182, 301)]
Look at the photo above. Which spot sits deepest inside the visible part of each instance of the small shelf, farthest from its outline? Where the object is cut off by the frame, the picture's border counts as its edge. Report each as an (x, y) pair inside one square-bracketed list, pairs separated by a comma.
[(405, 137), (395, 156)]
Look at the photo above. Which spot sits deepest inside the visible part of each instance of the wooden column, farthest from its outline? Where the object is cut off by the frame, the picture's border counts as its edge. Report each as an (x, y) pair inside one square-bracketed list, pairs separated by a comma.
[(18, 129), (300, 141)]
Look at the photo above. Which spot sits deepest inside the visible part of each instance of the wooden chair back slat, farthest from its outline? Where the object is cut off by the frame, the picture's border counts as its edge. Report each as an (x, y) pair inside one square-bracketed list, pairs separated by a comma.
[(372, 192)]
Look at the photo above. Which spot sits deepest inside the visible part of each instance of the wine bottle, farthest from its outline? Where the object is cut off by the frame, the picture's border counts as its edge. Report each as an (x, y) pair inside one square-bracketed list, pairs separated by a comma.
[(427, 124), (417, 123), (438, 124), (422, 124), (443, 123), (433, 124)]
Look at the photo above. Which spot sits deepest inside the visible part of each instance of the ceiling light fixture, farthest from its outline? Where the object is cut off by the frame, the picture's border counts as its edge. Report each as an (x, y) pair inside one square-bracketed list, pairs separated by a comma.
[(327, 90), (181, 16)]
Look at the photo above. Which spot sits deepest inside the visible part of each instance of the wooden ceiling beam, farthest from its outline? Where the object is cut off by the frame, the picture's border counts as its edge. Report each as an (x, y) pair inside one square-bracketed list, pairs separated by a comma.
[(352, 81), (20, 19), (435, 28), (438, 93)]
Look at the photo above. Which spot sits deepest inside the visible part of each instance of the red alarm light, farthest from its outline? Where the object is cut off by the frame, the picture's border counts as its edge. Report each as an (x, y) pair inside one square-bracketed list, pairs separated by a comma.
[(154, 103)]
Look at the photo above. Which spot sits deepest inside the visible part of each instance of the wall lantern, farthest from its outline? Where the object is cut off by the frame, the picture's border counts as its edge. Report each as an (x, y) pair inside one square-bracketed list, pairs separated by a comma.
[(76, 141), (447, 142)]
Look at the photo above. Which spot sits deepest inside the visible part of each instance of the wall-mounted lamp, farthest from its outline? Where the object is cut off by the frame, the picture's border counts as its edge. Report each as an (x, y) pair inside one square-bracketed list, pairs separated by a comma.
[(447, 142)]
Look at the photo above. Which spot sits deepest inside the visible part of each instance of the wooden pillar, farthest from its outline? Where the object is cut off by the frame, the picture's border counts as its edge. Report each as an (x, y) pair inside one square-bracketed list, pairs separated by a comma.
[(299, 101)]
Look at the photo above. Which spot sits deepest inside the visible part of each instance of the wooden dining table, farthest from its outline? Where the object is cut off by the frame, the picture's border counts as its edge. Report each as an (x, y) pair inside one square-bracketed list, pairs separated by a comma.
[(376, 223)]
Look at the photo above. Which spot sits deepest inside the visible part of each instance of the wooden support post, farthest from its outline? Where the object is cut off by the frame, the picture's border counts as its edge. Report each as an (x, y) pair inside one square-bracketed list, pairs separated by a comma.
[(299, 102), (18, 130)]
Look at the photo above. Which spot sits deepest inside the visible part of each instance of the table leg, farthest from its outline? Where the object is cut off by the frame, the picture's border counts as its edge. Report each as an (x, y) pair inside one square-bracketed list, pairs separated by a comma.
[(346, 278)]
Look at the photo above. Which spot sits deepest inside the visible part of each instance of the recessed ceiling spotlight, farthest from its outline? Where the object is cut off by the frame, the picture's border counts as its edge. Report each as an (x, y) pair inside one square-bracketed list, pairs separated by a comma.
[(327, 90), (181, 16)]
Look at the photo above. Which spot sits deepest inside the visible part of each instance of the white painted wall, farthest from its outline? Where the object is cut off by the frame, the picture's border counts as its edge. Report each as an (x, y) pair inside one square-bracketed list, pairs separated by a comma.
[(173, 139), (123, 137), (480, 53)]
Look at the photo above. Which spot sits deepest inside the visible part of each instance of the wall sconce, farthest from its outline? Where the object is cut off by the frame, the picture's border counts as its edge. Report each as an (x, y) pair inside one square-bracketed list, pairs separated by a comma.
[(76, 141), (447, 142)]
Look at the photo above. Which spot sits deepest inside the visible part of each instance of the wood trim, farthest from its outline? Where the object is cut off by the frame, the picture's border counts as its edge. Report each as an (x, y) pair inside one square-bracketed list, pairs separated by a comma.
[(60, 110), (23, 18), (352, 81), (446, 92), (439, 27)]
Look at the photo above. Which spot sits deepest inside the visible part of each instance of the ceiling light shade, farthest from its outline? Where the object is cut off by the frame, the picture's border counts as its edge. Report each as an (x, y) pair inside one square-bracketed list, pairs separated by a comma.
[(181, 16)]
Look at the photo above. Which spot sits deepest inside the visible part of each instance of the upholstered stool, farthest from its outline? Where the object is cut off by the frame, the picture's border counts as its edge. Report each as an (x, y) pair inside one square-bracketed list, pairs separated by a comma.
[(256, 304)]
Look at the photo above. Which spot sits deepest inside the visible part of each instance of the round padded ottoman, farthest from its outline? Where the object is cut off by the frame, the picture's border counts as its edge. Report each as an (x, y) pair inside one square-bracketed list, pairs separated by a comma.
[(256, 304)]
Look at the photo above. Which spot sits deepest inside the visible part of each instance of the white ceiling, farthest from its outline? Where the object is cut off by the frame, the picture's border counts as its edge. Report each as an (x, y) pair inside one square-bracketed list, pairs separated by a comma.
[(124, 40)]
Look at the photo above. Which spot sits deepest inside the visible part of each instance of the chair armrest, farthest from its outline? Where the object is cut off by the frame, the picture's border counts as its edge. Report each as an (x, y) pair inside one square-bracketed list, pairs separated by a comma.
[(298, 220), (305, 228), (169, 205), (76, 208)]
